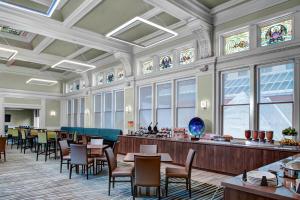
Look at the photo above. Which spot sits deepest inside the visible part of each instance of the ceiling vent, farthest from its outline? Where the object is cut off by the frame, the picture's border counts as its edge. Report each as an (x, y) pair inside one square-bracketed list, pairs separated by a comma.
[(73, 66), (44, 82), (130, 33), (37, 7), (7, 54)]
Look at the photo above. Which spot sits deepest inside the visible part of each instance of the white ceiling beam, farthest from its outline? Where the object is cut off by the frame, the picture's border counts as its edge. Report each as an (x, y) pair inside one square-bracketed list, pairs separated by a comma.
[(55, 29), (72, 19), (171, 9), (43, 45)]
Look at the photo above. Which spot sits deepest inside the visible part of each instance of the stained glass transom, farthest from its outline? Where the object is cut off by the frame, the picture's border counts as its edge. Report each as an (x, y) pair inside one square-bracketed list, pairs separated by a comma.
[(187, 56), (110, 77), (236, 43), (148, 67), (165, 62), (276, 33), (120, 74), (99, 79)]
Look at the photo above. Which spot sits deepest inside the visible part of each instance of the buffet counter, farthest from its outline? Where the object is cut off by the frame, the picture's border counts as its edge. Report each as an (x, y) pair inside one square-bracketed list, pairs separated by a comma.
[(222, 157), (235, 188)]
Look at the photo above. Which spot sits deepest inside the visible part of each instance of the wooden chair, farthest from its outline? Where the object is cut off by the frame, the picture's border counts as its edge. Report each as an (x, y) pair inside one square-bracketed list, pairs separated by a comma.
[(3, 147), (102, 160), (64, 153), (79, 157), (184, 173), (147, 173), (115, 171), (148, 149)]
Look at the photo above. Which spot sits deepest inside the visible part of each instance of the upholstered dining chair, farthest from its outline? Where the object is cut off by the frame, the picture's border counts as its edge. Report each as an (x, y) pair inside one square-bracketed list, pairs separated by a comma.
[(3, 147), (79, 157), (184, 173), (115, 171), (147, 173), (148, 149), (100, 161), (64, 153)]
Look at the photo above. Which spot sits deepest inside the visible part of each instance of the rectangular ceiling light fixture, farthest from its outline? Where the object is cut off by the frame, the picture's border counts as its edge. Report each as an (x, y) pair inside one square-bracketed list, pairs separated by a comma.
[(44, 82), (7, 54), (47, 13), (73, 66), (134, 23)]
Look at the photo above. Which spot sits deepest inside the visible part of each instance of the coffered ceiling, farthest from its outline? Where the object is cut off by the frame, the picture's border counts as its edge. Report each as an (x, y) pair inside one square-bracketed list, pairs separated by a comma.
[(77, 29)]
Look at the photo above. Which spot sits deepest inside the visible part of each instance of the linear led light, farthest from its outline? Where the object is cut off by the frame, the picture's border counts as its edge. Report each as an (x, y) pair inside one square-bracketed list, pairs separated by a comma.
[(12, 51), (52, 7), (73, 63), (110, 34), (38, 81)]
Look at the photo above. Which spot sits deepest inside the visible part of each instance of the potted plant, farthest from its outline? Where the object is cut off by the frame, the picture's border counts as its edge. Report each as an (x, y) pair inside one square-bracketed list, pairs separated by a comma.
[(289, 133)]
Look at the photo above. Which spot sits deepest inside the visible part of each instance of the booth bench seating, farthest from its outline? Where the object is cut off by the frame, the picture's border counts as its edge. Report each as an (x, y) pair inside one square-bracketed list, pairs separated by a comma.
[(109, 135)]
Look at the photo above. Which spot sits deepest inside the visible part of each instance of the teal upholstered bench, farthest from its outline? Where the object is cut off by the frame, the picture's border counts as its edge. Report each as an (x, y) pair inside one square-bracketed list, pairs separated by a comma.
[(106, 133)]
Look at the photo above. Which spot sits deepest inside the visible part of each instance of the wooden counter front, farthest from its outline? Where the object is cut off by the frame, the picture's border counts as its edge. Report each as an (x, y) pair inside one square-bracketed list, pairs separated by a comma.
[(214, 156)]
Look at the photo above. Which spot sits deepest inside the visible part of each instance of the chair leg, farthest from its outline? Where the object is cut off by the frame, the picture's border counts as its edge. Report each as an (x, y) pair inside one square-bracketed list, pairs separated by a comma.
[(70, 173), (87, 172), (46, 151), (158, 191), (187, 183), (166, 185), (113, 182), (131, 184), (109, 185), (37, 152), (134, 192), (61, 161), (190, 188), (4, 156), (25, 143)]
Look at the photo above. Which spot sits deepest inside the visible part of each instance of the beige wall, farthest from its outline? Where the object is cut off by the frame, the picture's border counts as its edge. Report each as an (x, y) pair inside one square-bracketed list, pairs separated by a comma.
[(52, 121), (22, 101), (20, 117), (18, 82), (205, 92)]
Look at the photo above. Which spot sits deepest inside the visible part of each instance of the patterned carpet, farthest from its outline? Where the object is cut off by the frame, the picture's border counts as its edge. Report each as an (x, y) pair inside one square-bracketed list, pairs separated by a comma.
[(21, 177)]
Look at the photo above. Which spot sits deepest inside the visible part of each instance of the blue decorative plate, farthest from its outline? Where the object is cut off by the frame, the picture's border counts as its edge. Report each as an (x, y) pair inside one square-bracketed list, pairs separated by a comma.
[(196, 126)]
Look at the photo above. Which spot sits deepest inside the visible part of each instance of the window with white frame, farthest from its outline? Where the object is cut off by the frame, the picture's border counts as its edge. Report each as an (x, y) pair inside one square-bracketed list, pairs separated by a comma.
[(75, 112), (164, 105), (119, 110), (185, 101), (276, 97), (97, 110), (145, 106), (82, 108), (108, 110), (69, 113), (235, 102), (187, 56)]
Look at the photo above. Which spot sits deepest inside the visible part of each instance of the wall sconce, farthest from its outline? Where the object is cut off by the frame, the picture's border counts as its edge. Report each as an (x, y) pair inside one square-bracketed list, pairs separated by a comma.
[(52, 113), (204, 104), (128, 109)]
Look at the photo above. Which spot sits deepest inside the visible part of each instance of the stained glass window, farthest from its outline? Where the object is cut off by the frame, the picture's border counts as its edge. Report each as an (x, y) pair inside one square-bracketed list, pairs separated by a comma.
[(148, 67), (120, 74), (99, 79), (110, 77), (236, 43), (187, 56), (165, 62), (276, 33)]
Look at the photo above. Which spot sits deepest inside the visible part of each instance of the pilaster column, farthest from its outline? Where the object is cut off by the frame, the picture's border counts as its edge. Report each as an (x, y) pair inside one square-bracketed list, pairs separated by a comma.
[(127, 61), (2, 115), (43, 113)]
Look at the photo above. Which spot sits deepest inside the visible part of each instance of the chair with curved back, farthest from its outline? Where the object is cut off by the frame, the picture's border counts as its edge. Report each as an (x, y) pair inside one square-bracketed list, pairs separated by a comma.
[(3, 147), (64, 153), (102, 160), (184, 173), (115, 171), (147, 173), (79, 157), (148, 149)]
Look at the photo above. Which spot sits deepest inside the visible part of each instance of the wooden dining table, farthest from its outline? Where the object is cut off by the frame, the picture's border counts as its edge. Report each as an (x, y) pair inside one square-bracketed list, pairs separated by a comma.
[(164, 157)]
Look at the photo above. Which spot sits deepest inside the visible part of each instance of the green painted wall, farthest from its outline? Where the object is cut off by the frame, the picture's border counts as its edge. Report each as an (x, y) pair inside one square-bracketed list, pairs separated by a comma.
[(20, 117), (52, 121), (18, 82), (257, 15), (22, 101), (205, 92)]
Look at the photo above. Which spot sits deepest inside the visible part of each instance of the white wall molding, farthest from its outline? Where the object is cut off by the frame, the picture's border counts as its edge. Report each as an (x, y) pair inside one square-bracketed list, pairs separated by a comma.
[(4, 92)]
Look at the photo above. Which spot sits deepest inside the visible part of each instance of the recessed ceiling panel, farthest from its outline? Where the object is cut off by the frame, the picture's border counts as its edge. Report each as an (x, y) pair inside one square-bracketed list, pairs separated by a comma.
[(45, 8), (110, 14), (62, 48), (26, 64), (90, 54), (142, 24), (212, 3)]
